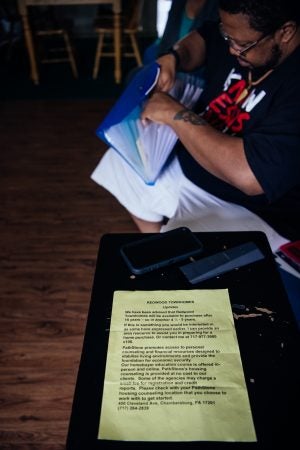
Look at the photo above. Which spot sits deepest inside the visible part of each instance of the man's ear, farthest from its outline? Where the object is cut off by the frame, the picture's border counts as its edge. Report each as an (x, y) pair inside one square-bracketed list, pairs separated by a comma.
[(288, 31)]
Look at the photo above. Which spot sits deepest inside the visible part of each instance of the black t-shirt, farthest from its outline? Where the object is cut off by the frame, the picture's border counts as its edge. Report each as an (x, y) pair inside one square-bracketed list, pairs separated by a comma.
[(268, 120)]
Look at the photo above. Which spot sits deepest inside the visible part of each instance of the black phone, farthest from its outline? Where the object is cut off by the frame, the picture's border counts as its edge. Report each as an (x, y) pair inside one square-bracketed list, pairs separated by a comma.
[(160, 250)]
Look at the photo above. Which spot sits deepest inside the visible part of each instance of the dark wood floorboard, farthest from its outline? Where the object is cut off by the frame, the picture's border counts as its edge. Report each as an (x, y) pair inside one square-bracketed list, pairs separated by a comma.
[(51, 220)]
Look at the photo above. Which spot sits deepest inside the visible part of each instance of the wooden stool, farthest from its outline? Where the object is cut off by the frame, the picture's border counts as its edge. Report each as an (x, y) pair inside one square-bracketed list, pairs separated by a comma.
[(52, 36), (130, 26), (67, 49)]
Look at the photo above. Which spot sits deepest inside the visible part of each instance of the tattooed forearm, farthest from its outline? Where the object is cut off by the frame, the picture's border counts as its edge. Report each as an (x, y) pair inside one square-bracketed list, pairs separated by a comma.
[(189, 116)]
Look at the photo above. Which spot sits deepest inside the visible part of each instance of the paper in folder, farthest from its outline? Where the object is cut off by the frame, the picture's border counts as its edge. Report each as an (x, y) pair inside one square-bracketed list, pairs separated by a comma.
[(146, 148)]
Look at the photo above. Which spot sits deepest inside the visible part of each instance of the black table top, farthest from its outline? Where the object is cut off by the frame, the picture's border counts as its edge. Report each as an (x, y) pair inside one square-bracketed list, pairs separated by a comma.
[(269, 343)]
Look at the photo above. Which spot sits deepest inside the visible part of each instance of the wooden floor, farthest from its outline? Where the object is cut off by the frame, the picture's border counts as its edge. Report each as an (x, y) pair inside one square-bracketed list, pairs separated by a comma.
[(52, 218)]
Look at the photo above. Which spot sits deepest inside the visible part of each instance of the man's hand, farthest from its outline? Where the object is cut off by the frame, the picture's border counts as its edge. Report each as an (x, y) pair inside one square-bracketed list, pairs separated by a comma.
[(167, 74), (161, 108)]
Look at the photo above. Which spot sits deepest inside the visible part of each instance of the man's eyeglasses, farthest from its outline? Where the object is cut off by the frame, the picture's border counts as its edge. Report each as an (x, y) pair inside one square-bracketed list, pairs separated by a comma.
[(240, 49)]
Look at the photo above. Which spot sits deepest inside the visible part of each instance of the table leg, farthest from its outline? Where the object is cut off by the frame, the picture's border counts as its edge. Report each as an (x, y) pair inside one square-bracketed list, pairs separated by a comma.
[(117, 47), (29, 43)]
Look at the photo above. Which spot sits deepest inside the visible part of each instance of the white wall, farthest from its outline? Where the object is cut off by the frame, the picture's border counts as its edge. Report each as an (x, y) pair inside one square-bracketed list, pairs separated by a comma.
[(163, 7)]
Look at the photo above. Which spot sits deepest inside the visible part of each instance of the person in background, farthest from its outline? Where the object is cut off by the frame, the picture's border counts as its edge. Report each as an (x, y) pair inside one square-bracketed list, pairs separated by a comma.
[(183, 17)]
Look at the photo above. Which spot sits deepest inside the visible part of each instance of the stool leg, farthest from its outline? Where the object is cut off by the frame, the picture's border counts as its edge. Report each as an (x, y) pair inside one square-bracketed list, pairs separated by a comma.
[(70, 55), (117, 47), (135, 49), (98, 55)]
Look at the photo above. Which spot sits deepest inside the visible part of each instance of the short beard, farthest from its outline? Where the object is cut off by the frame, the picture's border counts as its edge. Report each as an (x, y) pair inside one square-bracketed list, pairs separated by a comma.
[(276, 55), (273, 61)]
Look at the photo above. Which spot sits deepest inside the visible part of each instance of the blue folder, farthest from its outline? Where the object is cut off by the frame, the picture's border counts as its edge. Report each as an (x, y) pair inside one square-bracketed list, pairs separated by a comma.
[(147, 148), (130, 102)]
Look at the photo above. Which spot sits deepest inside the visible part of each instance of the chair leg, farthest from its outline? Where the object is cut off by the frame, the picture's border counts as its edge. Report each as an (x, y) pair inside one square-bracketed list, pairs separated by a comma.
[(135, 49), (70, 55), (98, 55)]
